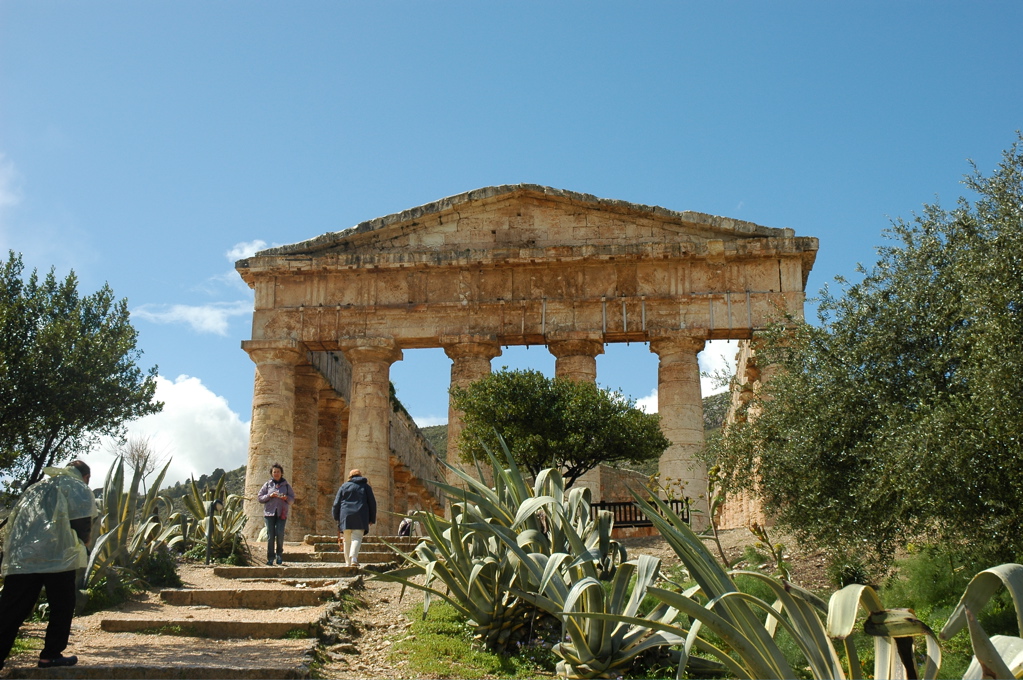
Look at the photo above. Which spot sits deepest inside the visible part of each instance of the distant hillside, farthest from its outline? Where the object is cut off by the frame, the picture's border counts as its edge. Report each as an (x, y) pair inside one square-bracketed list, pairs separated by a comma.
[(235, 484), (437, 435), (715, 407)]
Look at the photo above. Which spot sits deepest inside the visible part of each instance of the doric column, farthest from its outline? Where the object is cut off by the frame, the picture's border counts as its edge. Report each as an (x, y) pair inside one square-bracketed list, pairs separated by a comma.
[(576, 359), (470, 361), (369, 417), (272, 431), (330, 456), (304, 471), (680, 406)]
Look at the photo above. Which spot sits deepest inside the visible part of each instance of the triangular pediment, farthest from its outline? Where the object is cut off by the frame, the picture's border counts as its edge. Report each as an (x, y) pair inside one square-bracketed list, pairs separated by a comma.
[(526, 216)]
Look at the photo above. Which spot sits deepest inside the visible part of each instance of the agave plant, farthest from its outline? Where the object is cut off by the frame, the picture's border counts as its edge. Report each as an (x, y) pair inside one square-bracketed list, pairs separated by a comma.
[(480, 555), (747, 625), (592, 647), (127, 530), (998, 656), (221, 518), (476, 575)]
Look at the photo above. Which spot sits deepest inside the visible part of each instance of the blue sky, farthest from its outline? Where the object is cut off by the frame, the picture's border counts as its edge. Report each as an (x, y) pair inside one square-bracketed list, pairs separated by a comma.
[(148, 145)]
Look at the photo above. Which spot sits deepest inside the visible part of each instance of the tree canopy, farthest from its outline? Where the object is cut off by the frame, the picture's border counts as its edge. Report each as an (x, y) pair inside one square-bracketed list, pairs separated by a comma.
[(68, 370), (900, 416), (568, 425)]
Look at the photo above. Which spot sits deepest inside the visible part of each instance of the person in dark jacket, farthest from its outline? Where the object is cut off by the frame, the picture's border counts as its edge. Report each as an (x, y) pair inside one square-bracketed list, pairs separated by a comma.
[(276, 497), (355, 509)]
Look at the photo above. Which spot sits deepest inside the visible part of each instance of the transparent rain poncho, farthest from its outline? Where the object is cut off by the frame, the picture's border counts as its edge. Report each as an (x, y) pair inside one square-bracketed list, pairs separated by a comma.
[(39, 537)]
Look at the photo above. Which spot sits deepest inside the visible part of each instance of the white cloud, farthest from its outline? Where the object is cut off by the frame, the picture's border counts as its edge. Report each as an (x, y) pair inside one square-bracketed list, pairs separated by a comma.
[(718, 356), (211, 318), (648, 404), (245, 249), (196, 429), (430, 421)]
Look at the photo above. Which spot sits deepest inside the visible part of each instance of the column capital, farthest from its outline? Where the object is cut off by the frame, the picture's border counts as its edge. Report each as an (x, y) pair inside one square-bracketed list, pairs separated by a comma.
[(358, 350), (466, 346), (574, 347), (288, 352), (674, 342)]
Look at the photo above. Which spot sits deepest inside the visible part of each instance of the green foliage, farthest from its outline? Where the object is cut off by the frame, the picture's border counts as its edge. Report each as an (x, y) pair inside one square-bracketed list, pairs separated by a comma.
[(129, 533), (562, 424), (159, 569), (845, 570), (107, 592), (440, 645), (485, 560), (228, 519), (901, 414), (931, 576), (67, 370)]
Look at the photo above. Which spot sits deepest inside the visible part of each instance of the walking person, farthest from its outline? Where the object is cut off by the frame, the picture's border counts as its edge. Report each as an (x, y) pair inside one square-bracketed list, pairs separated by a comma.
[(355, 509), (276, 497), (44, 545)]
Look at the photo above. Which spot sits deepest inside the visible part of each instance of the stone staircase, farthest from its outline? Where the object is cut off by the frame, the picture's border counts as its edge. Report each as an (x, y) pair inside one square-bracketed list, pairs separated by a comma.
[(241, 622)]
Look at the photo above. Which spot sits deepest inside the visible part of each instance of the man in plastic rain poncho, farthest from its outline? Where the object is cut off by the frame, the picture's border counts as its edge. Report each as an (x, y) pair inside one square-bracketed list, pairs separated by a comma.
[(43, 546)]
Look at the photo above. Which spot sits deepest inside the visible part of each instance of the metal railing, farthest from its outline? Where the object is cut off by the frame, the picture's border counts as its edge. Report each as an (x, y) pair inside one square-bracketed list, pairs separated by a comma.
[(628, 514)]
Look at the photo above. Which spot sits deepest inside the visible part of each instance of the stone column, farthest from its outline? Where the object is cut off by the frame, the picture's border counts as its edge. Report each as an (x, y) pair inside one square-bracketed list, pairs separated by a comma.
[(369, 417), (576, 359), (272, 431), (330, 456), (304, 471), (470, 361), (680, 405)]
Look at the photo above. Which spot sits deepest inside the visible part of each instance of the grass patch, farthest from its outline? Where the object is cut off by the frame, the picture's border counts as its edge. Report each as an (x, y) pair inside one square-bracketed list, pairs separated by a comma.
[(25, 644), (348, 602), (296, 634), (441, 646)]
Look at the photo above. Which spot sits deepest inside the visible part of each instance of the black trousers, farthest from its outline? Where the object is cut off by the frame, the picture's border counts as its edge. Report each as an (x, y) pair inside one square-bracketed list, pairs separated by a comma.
[(19, 597)]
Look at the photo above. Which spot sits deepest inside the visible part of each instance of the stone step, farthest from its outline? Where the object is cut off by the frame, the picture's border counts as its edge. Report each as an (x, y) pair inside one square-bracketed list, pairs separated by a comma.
[(294, 582), (312, 539), (333, 547), (156, 657), (248, 598), (290, 572), (365, 557), (225, 626)]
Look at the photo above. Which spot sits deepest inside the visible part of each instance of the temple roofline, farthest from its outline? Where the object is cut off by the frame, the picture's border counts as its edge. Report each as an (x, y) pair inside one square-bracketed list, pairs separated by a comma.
[(724, 225)]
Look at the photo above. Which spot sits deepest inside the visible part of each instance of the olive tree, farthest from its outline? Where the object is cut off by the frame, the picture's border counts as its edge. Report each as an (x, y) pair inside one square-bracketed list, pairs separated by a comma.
[(899, 415), (68, 370), (554, 423)]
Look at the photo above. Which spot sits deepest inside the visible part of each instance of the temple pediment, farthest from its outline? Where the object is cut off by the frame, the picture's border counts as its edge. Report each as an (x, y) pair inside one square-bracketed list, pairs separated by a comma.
[(528, 221)]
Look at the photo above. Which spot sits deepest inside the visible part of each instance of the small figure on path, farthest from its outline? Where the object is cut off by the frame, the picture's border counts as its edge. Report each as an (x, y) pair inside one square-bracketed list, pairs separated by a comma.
[(355, 509), (44, 545), (276, 497)]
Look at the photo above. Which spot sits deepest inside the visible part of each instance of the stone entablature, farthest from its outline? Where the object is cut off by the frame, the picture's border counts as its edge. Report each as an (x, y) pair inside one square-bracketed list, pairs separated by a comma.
[(517, 265)]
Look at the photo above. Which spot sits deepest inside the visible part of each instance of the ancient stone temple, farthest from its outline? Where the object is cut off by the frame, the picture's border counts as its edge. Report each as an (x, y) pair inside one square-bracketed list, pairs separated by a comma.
[(472, 273)]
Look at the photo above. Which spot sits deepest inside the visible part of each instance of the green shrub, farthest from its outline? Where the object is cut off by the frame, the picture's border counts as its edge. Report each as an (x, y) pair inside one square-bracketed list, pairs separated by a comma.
[(930, 577), (106, 593), (844, 570), (159, 569)]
